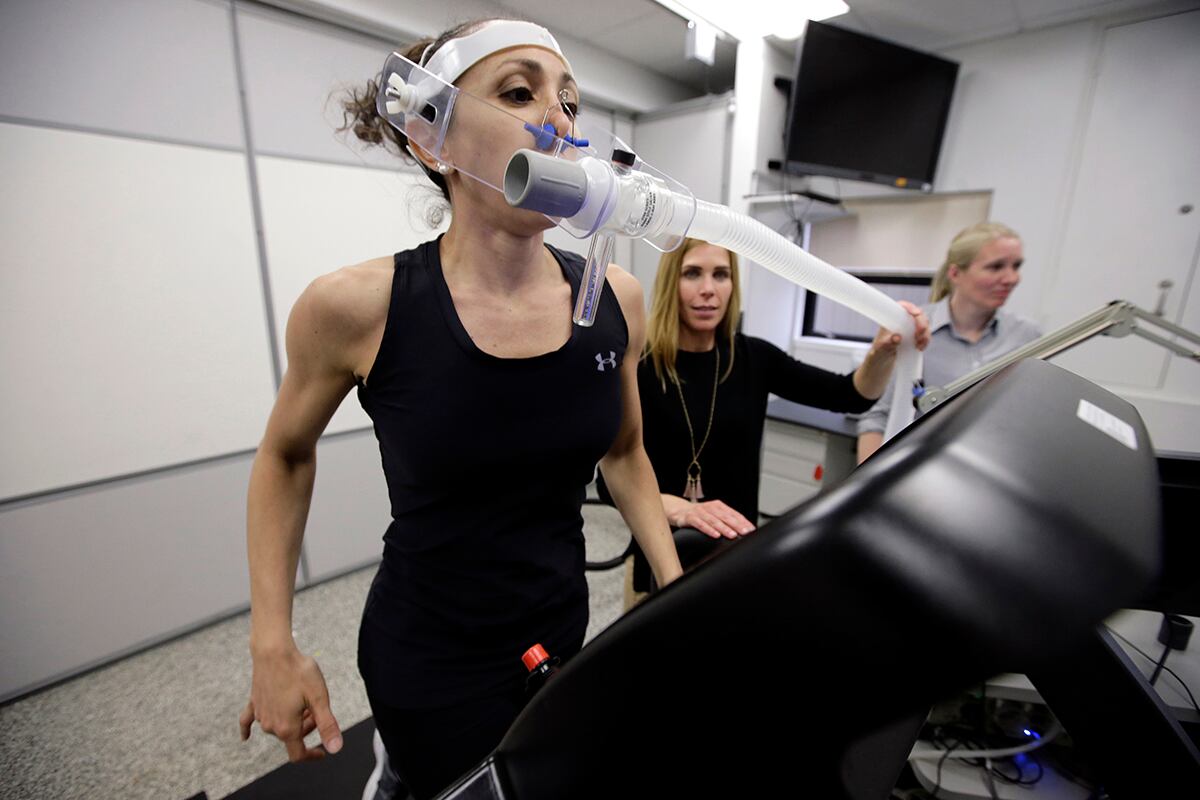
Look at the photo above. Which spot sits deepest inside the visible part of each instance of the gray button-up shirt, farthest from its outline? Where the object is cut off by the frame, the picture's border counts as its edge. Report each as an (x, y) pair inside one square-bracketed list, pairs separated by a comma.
[(950, 356)]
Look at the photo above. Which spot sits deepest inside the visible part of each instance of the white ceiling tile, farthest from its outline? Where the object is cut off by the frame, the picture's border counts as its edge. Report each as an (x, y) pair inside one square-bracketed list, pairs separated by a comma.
[(652, 37), (583, 20), (852, 21), (1042, 13), (656, 41), (655, 35), (932, 24)]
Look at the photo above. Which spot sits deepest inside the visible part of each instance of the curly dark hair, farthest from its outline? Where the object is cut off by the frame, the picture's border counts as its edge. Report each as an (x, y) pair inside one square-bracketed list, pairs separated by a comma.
[(360, 116)]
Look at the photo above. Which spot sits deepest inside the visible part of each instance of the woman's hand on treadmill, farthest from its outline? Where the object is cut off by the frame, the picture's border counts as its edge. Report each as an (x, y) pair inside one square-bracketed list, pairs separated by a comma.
[(289, 700), (712, 518)]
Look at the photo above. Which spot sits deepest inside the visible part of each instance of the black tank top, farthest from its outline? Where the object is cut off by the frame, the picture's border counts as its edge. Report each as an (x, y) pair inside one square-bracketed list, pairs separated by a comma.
[(486, 461)]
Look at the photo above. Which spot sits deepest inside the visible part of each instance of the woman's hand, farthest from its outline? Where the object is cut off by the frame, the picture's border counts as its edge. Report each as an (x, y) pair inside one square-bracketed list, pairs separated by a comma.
[(872, 376), (712, 518), (887, 341), (289, 700)]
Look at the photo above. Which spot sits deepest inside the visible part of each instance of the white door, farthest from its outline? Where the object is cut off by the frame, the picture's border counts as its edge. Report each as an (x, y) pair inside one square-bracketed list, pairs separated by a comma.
[(1126, 231)]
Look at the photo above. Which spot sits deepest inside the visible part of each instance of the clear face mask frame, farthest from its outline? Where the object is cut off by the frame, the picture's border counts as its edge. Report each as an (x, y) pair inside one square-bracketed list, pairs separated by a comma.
[(441, 120)]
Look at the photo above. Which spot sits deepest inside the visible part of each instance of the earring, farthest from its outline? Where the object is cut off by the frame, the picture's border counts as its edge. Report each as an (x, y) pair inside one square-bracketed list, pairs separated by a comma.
[(444, 169)]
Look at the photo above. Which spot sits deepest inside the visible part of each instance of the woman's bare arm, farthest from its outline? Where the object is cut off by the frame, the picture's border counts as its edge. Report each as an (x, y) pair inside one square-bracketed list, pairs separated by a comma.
[(326, 333), (626, 467)]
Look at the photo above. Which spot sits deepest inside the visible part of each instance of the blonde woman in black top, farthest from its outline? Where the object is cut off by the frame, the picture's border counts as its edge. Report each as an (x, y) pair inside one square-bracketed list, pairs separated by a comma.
[(704, 389)]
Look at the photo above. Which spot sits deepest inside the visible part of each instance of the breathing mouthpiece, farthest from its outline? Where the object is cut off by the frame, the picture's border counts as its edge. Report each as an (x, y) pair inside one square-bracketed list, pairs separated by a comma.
[(553, 186)]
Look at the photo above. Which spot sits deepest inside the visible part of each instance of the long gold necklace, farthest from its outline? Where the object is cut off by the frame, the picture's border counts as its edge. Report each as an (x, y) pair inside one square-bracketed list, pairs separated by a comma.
[(693, 490)]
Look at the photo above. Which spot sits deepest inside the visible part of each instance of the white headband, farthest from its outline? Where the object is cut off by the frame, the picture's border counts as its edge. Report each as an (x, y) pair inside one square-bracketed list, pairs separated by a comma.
[(458, 55)]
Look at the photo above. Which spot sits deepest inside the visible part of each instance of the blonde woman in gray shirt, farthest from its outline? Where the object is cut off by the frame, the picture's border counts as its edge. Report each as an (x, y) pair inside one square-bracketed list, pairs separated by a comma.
[(968, 323)]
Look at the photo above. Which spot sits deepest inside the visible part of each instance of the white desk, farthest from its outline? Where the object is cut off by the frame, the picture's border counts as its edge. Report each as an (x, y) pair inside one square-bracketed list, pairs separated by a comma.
[(1141, 629)]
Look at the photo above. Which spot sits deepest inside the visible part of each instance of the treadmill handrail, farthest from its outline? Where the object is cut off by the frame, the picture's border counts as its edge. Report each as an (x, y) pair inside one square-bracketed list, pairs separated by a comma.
[(1118, 318)]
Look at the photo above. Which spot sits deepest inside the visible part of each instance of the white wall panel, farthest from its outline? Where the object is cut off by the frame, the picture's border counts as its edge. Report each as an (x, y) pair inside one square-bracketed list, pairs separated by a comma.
[(1183, 375), (131, 313), (1174, 417), (902, 232), (350, 509), (296, 72), (143, 67), (320, 217), (689, 146), (1140, 163), (155, 555), (1014, 128), (614, 81), (97, 572)]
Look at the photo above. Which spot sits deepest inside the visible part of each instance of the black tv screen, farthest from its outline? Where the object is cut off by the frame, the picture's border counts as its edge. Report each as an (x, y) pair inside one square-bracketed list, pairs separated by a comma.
[(867, 109)]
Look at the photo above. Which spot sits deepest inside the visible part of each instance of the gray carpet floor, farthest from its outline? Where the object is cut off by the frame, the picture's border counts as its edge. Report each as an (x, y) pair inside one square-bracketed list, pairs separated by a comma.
[(162, 723)]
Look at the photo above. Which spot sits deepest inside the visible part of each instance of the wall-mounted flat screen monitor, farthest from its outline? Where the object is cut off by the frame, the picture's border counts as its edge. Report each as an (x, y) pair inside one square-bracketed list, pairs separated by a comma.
[(867, 109)]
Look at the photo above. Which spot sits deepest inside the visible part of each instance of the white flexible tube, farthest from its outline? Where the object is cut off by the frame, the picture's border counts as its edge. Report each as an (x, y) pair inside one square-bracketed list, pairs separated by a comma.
[(750, 238), (933, 754), (643, 205)]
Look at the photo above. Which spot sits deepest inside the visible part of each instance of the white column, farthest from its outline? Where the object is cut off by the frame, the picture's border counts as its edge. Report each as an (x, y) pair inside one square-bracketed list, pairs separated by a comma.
[(743, 156)]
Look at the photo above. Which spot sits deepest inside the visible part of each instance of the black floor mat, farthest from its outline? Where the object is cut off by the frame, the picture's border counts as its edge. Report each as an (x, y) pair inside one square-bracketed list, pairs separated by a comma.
[(338, 777)]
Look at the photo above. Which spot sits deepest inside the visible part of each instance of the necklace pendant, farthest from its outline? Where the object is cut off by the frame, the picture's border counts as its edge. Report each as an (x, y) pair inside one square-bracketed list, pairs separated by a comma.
[(694, 492)]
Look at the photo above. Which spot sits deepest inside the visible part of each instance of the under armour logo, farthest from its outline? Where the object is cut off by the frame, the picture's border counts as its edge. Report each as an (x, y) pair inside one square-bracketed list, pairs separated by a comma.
[(601, 361)]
